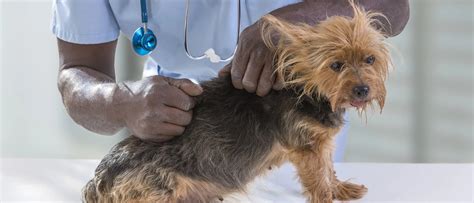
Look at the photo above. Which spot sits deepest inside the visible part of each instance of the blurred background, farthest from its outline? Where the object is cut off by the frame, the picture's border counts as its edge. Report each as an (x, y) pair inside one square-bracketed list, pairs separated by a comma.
[(428, 116)]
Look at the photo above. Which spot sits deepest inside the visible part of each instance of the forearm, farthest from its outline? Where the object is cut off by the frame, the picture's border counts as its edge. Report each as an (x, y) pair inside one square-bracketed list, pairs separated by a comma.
[(314, 11), (88, 96)]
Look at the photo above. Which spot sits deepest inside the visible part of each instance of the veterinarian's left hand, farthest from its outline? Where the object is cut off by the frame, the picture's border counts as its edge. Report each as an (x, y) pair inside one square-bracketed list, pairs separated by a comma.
[(252, 67)]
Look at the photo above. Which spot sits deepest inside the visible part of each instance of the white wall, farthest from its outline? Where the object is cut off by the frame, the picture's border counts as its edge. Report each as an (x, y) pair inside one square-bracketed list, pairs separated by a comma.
[(429, 110), (34, 121), (428, 114)]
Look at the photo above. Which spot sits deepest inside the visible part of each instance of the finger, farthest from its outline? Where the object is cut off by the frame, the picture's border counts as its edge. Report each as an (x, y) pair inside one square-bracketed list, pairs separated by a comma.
[(168, 129), (154, 137), (153, 128), (186, 85), (279, 82), (225, 71), (266, 80), (162, 132), (177, 116), (252, 73), (161, 129), (239, 64), (175, 97)]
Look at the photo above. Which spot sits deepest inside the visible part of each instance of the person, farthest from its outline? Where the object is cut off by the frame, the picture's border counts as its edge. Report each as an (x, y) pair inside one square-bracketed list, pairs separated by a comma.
[(159, 106)]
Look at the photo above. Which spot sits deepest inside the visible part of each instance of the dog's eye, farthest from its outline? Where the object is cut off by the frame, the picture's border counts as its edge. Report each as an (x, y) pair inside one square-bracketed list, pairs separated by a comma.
[(337, 66), (370, 60)]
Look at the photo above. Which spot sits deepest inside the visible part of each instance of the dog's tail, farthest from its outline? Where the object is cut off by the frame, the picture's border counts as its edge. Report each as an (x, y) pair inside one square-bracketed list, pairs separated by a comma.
[(89, 192)]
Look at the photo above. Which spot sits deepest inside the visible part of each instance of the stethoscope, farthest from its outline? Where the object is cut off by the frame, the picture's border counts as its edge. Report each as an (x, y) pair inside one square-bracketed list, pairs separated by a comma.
[(144, 41)]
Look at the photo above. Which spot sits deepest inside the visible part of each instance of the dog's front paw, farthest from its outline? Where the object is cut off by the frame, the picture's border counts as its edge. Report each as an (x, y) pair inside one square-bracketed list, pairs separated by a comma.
[(320, 196), (348, 191)]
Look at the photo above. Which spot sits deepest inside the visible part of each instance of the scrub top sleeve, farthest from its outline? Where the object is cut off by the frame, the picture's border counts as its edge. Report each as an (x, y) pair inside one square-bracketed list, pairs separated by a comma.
[(84, 21)]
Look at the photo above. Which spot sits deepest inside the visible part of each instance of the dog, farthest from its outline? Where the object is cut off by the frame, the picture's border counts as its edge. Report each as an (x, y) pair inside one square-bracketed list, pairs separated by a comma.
[(235, 136)]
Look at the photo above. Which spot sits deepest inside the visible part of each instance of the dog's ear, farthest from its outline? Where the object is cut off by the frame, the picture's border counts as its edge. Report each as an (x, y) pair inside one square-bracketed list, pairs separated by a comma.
[(276, 32), (286, 41), (363, 19)]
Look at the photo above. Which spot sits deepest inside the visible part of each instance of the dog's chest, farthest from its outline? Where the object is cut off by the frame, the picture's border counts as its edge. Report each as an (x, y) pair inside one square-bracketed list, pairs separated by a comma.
[(319, 112), (311, 123)]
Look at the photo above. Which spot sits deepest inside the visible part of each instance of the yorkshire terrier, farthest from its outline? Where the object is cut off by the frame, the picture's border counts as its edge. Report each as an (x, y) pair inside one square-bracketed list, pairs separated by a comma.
[(235, 136)]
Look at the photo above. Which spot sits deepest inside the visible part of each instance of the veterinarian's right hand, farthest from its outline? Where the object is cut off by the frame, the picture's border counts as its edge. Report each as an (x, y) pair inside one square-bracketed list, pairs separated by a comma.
[(156, 108)]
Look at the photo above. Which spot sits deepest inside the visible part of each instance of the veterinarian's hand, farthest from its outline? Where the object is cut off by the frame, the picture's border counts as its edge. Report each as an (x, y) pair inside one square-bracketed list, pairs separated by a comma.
[(252, 67), (157, 108)]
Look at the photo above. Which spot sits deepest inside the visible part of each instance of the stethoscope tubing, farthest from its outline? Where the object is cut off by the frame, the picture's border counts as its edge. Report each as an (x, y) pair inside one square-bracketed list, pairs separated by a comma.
[(144, 41), (203, 56), (144, 12)]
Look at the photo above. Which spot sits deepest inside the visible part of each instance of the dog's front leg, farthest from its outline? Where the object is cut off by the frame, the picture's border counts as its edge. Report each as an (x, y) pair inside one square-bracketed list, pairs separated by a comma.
[(314, 168), (345, 190)]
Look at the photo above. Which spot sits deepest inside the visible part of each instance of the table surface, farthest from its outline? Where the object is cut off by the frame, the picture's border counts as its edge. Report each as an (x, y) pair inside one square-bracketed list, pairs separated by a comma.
[(60, 180)]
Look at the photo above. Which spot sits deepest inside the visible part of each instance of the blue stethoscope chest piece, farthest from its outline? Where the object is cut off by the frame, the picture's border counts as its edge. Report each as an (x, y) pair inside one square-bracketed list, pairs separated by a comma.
[(143, 42)]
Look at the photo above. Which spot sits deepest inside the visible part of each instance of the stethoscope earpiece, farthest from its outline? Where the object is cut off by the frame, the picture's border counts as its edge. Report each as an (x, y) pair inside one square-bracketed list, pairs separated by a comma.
[(143, 40), (143, 43)]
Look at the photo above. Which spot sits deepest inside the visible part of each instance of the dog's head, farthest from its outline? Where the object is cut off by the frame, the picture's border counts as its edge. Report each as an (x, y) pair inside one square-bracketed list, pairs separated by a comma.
[(343, 59)]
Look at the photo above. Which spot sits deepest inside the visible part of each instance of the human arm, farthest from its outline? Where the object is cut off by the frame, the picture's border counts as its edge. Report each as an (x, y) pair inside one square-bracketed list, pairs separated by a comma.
[(155, 108)]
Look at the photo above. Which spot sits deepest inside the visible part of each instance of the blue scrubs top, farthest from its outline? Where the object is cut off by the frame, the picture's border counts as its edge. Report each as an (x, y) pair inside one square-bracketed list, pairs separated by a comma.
[(212, 24)]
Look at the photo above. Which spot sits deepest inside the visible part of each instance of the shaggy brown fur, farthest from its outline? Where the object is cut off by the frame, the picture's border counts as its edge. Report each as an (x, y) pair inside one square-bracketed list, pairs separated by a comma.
[(235, 136)]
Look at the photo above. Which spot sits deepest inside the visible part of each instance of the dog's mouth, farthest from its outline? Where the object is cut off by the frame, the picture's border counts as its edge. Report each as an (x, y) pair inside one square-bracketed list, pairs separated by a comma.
[(355, 103), (358, 103)]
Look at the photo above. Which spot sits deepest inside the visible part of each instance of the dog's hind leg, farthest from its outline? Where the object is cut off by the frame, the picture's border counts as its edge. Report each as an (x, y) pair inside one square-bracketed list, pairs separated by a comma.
[(147, 183), (160, 186), (89, 192)]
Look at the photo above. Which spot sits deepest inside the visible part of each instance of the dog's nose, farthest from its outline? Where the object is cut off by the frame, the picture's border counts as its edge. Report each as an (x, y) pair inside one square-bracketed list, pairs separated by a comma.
[(361, 91)]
